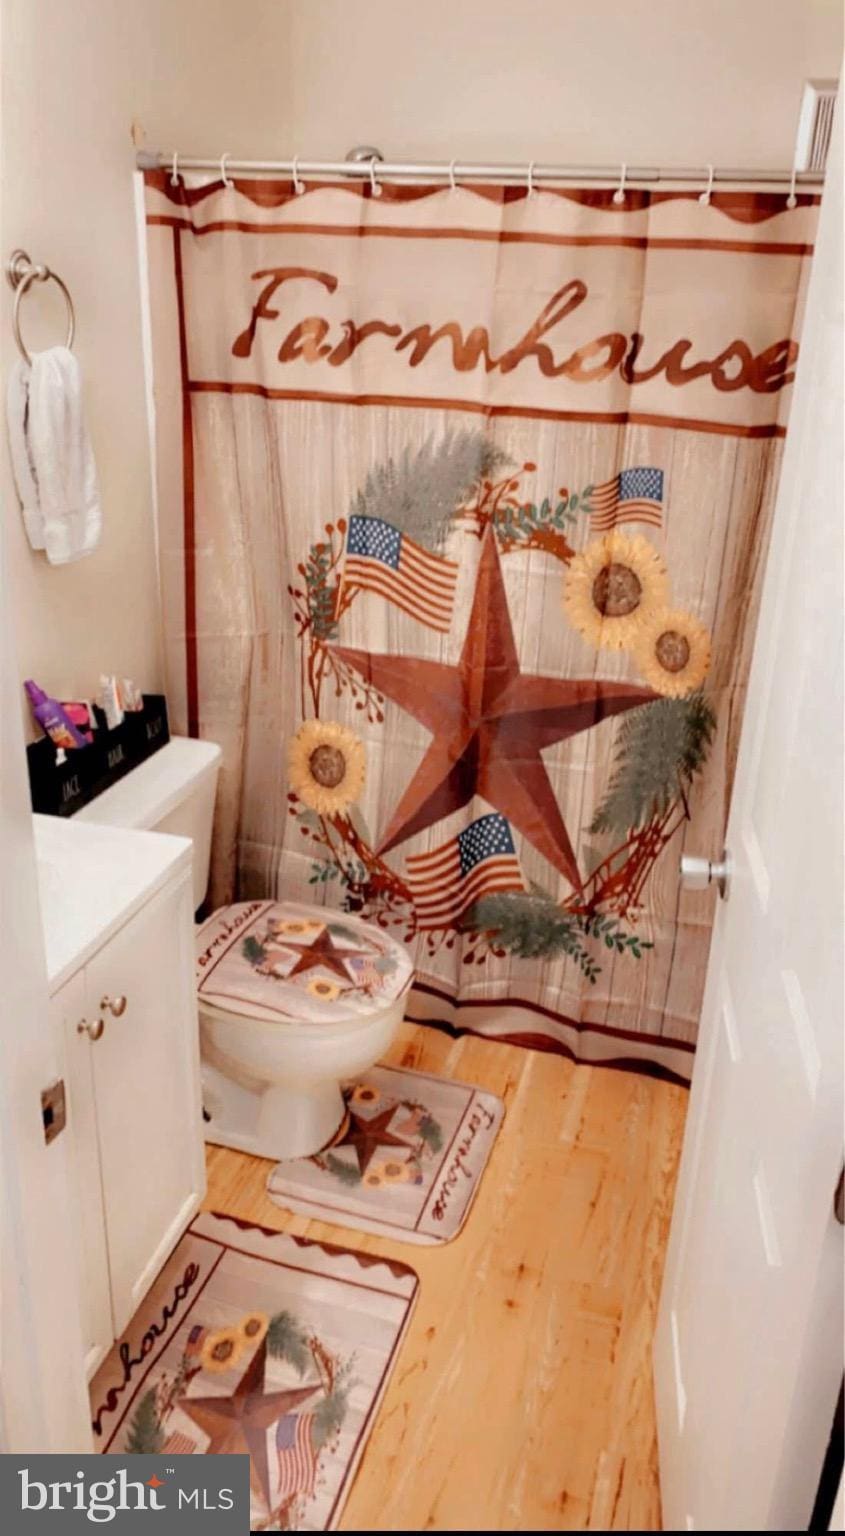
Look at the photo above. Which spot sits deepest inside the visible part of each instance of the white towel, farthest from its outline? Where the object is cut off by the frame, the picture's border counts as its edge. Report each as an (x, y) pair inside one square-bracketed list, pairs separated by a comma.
[(51, 456)]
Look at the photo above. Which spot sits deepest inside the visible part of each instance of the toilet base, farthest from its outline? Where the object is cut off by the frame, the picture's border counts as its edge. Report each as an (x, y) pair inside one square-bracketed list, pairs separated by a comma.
[(280, 1121)]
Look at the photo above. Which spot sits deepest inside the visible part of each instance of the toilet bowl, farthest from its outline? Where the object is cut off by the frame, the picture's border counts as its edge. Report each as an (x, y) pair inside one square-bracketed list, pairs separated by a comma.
[(279, 1030), (293, 1000)]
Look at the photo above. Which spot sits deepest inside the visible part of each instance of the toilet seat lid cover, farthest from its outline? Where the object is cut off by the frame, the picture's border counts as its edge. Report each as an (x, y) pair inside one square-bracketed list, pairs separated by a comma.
[(287, 962)]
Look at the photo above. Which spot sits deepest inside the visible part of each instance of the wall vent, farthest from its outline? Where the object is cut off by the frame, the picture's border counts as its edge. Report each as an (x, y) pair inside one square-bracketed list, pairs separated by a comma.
[(815, 125)]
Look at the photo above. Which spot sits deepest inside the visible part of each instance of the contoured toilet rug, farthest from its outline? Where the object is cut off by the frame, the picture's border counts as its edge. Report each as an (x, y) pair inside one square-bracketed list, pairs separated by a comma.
[(406, 1163)]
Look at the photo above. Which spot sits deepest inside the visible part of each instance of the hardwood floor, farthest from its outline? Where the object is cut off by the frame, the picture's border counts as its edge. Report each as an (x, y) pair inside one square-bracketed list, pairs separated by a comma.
[(522, 1399)]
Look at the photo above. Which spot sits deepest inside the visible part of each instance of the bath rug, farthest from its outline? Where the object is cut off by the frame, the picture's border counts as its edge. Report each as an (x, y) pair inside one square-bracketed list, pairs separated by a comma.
[(260, 1342), (406, 1162)]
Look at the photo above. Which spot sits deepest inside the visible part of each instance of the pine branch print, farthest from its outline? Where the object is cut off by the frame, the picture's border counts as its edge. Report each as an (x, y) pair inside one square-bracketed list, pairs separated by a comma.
[(287, 1341), (146, 1436), (420, 491), (530, 925), (660, 748)]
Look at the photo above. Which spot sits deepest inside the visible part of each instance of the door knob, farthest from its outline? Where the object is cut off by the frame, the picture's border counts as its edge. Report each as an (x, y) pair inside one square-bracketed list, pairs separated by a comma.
[(698, 873), (115, 1005), (93, 1030)]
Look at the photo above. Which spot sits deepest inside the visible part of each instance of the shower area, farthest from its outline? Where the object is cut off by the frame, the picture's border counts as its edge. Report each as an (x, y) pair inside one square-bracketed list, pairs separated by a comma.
[(464, 481)]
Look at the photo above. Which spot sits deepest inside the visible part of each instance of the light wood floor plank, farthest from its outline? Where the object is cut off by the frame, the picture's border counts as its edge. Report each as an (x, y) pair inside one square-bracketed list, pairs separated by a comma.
[(522, 1399)]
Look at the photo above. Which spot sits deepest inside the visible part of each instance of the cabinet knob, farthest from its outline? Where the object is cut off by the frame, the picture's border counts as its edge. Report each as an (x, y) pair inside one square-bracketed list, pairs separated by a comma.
[(93, 1031), (115, 1005)]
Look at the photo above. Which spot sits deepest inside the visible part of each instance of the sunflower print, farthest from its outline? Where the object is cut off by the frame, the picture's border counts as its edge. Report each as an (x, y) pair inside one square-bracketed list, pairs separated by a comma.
[(615, 585), (222, 1349), (672, 651), (253, 1327), (394, 1172), (364, 1096), (296, 928), (327, 766), (326, 991)]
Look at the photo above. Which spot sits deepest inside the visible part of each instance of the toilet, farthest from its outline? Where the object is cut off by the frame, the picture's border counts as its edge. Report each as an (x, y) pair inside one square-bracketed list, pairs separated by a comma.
[(293, 999)]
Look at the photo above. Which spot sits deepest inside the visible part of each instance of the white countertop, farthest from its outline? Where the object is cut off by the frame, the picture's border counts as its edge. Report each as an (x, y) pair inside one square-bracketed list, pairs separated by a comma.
[(92, 879)]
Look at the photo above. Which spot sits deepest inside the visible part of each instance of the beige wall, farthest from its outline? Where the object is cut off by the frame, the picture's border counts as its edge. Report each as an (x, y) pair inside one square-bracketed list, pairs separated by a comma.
[(75, 73), (683, 81), (592, 80)]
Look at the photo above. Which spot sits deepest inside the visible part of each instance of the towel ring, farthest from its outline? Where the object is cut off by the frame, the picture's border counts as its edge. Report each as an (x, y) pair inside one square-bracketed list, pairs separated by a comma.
[(22, 273)]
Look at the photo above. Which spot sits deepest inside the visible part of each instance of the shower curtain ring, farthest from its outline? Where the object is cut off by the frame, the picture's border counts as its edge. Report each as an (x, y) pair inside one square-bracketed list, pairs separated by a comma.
[(375, 189), (174, 169), (530, 179), (705, 196), (223, 177), (298, 186), (619, 194), (792, 201), (453, 185)]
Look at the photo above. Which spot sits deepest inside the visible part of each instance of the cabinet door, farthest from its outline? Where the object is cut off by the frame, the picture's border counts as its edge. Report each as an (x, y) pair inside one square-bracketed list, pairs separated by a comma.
[(146, 1084), (68, 1009)]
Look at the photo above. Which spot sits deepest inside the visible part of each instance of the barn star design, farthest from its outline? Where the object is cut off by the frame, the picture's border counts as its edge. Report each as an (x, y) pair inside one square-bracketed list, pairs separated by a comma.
[(323, 954), (368, 1135), (489, 723), (239, 1423)]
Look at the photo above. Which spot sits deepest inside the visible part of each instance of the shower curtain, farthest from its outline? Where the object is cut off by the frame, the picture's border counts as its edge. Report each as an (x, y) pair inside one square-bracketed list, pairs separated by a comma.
[(463, 500)]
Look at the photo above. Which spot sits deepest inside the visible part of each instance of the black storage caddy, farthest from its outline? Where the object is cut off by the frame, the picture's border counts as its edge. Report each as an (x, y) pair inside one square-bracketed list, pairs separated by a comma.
[(59, 789)]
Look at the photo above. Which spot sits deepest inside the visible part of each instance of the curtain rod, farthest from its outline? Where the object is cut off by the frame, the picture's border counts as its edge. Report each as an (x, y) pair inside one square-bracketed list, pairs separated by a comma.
[(457, 171)]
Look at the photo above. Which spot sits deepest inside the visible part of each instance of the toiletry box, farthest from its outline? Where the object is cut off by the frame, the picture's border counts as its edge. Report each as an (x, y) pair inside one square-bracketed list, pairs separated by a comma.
[(60, 788)]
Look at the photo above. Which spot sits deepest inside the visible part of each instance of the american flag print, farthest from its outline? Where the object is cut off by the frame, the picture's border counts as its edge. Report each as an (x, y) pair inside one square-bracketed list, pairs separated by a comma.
[(178, 1444), (381, 558), (196, 1339), (297, 1457), (479, 861), (365, 972), (632, 496)]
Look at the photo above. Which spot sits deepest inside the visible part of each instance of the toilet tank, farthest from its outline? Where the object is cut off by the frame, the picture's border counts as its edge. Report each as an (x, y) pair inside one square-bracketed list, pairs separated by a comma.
[(173, 791)]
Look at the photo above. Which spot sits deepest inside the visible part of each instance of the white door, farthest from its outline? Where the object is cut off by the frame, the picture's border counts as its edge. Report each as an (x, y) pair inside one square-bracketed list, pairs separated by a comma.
[(145, 1087), (748, 1353)]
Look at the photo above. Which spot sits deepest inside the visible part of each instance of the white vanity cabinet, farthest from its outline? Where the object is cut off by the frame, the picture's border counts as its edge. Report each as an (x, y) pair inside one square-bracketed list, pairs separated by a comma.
[(118, 917)]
